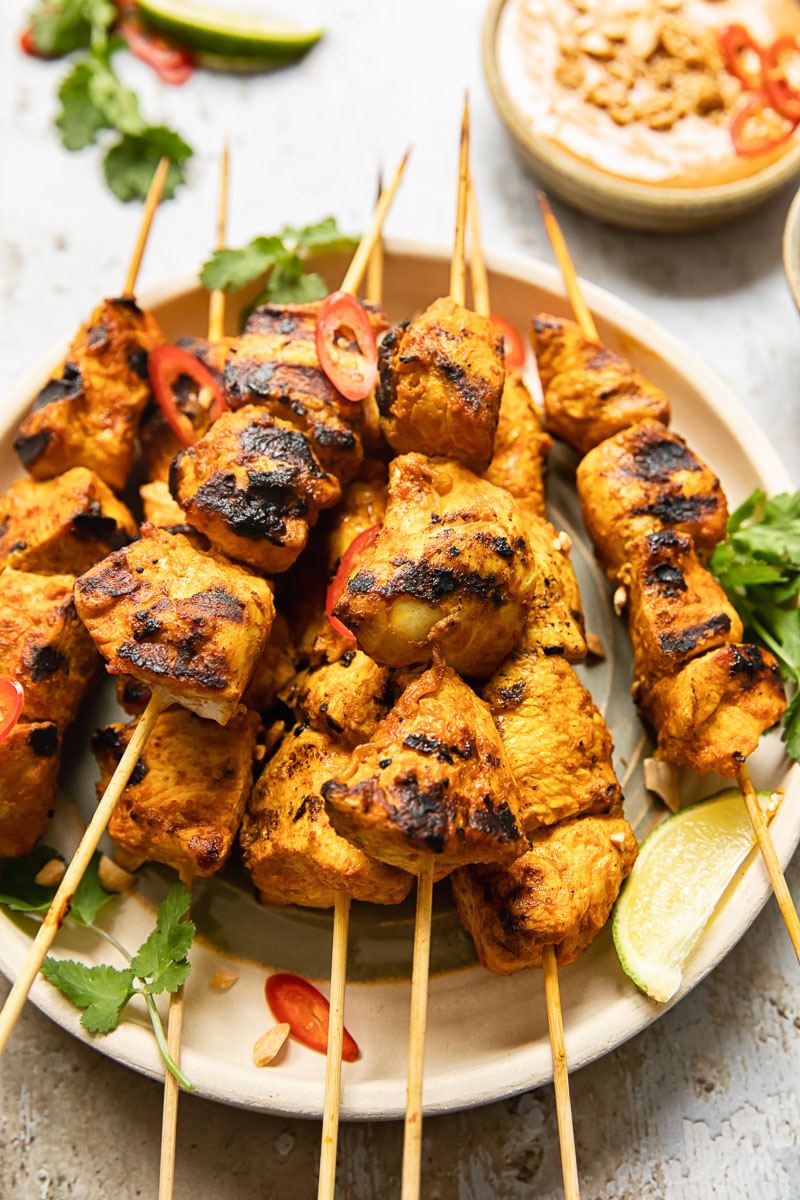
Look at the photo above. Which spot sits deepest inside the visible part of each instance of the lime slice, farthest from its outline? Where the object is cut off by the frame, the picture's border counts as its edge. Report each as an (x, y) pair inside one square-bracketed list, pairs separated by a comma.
[(682, 871), (223, 35)]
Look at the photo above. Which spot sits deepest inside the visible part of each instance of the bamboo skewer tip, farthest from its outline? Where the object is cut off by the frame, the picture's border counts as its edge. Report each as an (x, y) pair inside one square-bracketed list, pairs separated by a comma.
[(769, 854), (154, 195), (579, 307), (358, 265)]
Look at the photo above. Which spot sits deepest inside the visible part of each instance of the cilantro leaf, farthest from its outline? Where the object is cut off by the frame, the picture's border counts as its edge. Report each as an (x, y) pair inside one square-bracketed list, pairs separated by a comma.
[(20, 892), (118, 104), (80, 119), (102, 992), (288, 284), (231, 269), (61, 26), (161, 962), (130, 164), (323, 237)]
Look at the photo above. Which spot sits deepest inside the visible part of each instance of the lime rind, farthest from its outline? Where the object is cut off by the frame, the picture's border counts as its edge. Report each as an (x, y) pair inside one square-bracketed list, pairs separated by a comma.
[(682, 871), (223, 35)]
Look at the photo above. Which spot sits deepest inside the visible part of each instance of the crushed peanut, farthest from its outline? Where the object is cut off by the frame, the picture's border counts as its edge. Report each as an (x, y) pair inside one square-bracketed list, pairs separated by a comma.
[(112, 877), (595, 646), (562, 543), (618, 839), (269, 1044), (51, 873), (223, 980), (620, 600)]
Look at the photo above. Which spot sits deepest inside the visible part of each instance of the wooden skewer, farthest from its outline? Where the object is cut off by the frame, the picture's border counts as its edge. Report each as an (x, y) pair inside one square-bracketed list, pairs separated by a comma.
[(555, 1019), (80, 861), (760, 827), (169, 1113), (154, 194), (412, 1135), (375, 266), (216, 301), (458, 277), (355, 272)]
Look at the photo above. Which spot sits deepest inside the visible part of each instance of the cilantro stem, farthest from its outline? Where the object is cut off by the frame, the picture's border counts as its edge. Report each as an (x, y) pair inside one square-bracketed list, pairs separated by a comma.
[(158, 1030)]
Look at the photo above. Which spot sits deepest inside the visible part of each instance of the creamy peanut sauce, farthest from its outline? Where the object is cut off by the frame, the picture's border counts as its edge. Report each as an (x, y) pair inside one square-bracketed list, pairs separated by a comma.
[(694, 151)]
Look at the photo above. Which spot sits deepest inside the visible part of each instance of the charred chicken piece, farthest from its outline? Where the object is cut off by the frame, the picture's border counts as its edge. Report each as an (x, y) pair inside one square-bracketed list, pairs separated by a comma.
[(434, 779), (710, 716), (347, 698), (560, 893), (451, 568), (290, 848), (160, 509), (29, 761), (61, 526), (253, 485), (44, 646), (274, 669), (194, 624), (363, 506), (184, 802), (555, 739), (441, 379), (642, 480), (590, 393), (554, 624), (521, 447), (88, 414), (677, 609), (159, 443)]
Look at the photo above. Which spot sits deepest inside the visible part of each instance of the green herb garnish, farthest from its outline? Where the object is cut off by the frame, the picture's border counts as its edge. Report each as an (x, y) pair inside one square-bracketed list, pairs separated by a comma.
[(758, 565)]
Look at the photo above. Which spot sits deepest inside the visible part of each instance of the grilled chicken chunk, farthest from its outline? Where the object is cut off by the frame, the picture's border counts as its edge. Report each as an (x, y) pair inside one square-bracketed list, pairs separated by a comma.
[(348, 697), (521, 446), (434, 779), (451, 568), (184, 802), (29, 761), (555, 739), (711, 715), (590, 393), (554, 624), (87, 415), (194, 624), (363, 506), (441, 379), (159, 507), (274, 669), (63, 525), (642, 480), (558, 894), (44, 646), (677, 610), (253, 485), (289, 846)]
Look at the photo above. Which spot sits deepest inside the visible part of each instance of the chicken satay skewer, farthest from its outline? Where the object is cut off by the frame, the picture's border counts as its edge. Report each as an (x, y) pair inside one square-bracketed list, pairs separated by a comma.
[(760, 827), (555, 1020), (158, 701), (169, 1114), (372, 263)]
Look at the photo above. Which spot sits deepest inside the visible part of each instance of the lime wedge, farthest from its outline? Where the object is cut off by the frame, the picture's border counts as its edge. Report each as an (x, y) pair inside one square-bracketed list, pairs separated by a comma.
[(682, 871), (214, 31)]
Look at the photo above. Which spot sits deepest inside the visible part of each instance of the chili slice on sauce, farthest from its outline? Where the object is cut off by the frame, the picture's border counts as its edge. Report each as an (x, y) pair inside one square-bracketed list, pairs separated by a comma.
[(756, 111), (739, 49), (353, 552), (165, 365), (342, 320), (297, 1003), (784, 98)]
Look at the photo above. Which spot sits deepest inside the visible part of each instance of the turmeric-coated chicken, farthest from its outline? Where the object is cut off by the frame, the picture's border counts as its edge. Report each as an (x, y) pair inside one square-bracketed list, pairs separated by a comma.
[(159, 507), (88, 414), (451, 567), (554, 624), (521, 446), (194, 624), (590, 393), (362, 507), (29, 761), (556, 741), (441, 379), (677, 609), (433, 780), (62, 525), (560, 893), (44, 646), (711, 714), (274, 669), (184, 801), (347, 697), (254, 486), (293, 853), (642, 480)]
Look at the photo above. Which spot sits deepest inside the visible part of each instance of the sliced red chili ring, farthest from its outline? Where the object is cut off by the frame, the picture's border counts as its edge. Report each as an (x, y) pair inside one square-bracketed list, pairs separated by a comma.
[(27, 43), (342, 318), (12, 698), (307, 1013), (337, 585), (748, 145), (515, 347), (784, 98), (170, 63), (166, 364), (736, 44)]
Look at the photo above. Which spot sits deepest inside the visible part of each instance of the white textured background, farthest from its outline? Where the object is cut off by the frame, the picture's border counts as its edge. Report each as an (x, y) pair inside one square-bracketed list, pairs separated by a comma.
[(704, 1104)]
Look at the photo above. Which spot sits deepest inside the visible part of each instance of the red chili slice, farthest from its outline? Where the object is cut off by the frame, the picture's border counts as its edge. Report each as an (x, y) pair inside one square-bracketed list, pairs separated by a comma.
[(27, 43), (169, 62), (748, 145), (337, 585), (784, 98), (515, 347), (306, 1011), (165, 364), (342, 319), (12, 699), (736, 44)]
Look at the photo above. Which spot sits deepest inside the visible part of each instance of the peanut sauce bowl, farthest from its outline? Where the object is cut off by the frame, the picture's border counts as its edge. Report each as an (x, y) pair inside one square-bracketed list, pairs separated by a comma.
[(473, 1056)]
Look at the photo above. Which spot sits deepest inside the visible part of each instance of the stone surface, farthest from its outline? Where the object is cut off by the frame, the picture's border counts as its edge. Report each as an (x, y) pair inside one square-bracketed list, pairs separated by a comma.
[(704, 1103)]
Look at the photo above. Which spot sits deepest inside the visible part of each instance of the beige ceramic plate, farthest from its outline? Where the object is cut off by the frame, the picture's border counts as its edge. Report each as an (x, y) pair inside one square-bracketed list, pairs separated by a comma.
[(620, 201), (473, 1056)]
